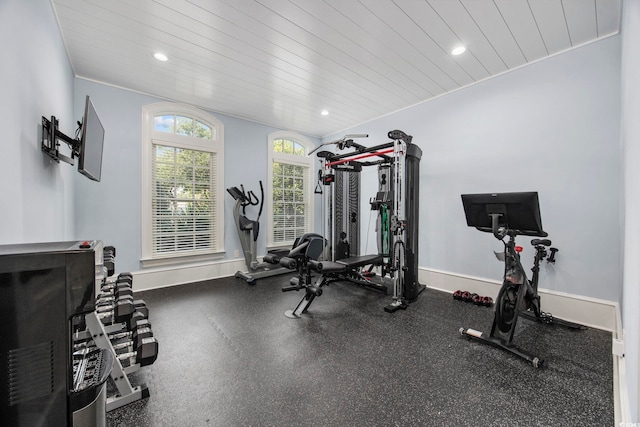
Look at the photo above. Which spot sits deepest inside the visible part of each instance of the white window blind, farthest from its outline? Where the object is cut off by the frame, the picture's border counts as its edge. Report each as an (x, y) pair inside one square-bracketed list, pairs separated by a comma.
[(291, 203), (290, 206), (183, 158), (182, 204)]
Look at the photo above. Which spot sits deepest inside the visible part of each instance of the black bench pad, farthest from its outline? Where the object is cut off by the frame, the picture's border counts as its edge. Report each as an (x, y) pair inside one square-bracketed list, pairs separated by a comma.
[(361, 261), (343, 265), (333, 267)]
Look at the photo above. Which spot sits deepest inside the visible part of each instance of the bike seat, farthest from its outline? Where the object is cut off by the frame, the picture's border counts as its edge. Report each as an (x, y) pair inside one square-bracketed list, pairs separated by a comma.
[(544, 242)]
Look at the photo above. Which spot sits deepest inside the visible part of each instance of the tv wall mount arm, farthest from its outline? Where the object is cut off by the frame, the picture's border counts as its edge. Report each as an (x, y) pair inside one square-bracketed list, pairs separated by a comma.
[(50, 141)]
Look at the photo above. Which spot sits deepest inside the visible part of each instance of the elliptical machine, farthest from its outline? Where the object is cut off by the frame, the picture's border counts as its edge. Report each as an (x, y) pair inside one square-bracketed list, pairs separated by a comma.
[(248, 231)]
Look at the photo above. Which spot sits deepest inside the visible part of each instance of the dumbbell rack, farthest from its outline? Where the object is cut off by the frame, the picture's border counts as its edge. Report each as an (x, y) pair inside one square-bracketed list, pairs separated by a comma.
[(125, 319), (119, 374)]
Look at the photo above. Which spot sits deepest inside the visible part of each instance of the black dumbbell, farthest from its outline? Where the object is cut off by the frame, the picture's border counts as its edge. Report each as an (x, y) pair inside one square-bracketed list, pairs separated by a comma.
[(143, 323), (109, 250), (125, 278), (145, 354), (106, 298), (130, 340), (110, 286), (117, 311), (119, 290), (140, 334), (141, 306), (108, 258), (123, 289), (134, 319)]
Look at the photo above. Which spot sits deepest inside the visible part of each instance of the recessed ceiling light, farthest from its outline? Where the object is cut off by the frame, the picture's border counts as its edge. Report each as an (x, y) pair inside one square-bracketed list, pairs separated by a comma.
[(324, 112), (160, 56), (459, 50)]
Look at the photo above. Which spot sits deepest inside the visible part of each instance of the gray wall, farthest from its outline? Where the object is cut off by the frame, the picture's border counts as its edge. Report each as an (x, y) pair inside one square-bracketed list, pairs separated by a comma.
[(110, 210), (631, 147), (551, 127), (35, 80)]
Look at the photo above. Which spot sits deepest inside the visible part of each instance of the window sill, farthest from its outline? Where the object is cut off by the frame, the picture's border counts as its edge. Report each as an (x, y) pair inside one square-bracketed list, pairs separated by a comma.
[(182, 259)]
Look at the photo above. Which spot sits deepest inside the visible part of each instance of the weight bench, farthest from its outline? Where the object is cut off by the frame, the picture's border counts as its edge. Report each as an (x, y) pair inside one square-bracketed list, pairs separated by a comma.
[(347, 269), (342, 265)]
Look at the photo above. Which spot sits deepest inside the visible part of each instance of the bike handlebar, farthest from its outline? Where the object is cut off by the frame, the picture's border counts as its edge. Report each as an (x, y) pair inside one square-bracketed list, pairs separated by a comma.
[(509, 232)]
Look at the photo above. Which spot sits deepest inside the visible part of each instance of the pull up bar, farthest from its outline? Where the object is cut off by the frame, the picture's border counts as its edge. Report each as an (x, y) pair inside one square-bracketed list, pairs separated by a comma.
[(343, 140), (362, 156)]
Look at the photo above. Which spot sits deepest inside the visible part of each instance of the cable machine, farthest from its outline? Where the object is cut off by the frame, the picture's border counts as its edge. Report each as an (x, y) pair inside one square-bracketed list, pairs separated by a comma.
[(396, 201)]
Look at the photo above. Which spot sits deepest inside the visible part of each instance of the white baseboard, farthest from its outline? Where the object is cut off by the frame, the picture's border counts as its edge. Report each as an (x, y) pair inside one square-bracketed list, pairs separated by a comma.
[(592, 312), (162, 277), (620, 390)]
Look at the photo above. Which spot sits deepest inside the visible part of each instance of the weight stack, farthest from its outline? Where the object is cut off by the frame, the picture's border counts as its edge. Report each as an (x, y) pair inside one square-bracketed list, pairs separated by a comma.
[(412, 287), (344, 220)]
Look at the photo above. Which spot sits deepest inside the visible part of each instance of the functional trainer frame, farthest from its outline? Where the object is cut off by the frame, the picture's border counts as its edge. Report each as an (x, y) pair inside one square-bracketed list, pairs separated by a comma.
[(398, 163)]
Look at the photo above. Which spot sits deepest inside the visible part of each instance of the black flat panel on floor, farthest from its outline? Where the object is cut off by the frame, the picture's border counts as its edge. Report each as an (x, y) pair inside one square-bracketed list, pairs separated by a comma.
[(229, 357)]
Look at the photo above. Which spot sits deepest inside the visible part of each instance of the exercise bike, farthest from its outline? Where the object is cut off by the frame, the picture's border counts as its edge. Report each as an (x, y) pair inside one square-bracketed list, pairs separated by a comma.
[(248, 231), (518, 295)]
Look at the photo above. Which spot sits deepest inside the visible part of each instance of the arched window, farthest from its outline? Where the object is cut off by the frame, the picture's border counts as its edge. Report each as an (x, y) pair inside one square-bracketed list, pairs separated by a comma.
[(183, 157), (290, 185)]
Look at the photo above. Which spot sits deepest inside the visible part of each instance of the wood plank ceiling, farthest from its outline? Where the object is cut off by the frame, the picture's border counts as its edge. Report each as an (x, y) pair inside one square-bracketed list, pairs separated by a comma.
[(282, 62)]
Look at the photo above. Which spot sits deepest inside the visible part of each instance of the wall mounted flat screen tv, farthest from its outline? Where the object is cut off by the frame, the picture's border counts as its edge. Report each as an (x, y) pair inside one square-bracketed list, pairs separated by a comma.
[(91, 143)]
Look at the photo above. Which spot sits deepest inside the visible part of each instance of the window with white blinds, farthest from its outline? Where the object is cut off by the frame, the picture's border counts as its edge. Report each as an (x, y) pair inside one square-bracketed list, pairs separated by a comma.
[(182, 201), (182, 179), (290, 187)]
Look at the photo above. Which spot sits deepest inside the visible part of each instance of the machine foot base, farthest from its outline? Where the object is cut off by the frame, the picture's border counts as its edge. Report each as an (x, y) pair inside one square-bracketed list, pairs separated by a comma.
[(393, 307), (291, 315), (495, 341)]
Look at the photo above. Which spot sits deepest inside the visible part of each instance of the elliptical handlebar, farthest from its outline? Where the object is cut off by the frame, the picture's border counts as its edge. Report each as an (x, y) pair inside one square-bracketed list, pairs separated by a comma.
[(252, 200), (261, 200), (247, 198)]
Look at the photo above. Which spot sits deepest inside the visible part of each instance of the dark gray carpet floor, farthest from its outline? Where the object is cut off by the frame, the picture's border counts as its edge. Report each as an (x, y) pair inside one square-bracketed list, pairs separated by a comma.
[(229, 357)]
